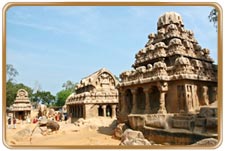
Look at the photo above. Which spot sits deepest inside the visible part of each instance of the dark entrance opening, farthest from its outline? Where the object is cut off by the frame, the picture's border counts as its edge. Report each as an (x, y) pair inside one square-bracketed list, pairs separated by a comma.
[(100, 111), (154, 100), (128, 101), (108, 111), (140, 101), (21, 115)]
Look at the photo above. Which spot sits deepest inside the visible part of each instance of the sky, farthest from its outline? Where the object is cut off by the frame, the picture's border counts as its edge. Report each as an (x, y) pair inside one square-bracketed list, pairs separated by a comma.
[(49, 45)]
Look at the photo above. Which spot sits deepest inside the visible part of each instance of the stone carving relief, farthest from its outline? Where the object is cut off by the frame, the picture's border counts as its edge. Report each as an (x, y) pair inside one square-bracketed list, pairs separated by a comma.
[(205, 53), (160, 68), (172, 31), (160, 50), (183, 66), (176, 47), (168, 18), (151, 38), (189, 48), (205, 97), (105, 80), (161, 33), (22, 94)]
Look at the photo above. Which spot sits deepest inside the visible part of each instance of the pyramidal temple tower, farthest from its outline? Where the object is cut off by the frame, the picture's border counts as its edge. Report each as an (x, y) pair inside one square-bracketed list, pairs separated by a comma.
[(171, 75)]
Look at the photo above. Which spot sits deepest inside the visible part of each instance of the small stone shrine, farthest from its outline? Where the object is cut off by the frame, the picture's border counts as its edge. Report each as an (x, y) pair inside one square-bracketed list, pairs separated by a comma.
[(172, 86), (96, 95), (22, 106)]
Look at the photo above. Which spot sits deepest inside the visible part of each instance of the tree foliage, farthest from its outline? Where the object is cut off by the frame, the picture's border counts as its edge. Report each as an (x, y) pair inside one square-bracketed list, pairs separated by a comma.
[(61, 97), (69, 85), (11, 91), (44, 97), (11, 72), (213, 17)]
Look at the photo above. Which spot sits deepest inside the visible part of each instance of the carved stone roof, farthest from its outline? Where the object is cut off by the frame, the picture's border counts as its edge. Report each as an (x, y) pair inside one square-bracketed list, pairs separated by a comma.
[(172, 53), (22, 101), (91, 79), (169, 18), (99, 87)]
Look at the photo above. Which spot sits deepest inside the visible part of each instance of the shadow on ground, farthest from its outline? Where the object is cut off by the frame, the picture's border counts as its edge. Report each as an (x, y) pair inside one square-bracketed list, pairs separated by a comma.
[(108, 130)]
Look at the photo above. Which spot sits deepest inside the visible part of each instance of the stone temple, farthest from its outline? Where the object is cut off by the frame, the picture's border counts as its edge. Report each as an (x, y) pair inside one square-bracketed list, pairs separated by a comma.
[(22, 106), (96, 95), (172, 89)]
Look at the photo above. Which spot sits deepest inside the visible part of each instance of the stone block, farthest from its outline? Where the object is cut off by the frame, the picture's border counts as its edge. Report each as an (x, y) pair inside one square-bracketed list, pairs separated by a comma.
[(208, 112), (200, 122), (183, 124), (211, 122)]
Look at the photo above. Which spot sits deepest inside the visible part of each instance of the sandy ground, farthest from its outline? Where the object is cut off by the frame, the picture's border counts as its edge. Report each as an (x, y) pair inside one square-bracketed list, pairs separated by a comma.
[(97, 131)]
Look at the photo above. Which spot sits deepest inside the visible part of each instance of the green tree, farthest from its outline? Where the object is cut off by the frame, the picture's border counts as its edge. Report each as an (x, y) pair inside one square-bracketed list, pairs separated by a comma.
[(61, 97), (11, 72), (213, 17), (69, 85), (43, 96), (11, 91)]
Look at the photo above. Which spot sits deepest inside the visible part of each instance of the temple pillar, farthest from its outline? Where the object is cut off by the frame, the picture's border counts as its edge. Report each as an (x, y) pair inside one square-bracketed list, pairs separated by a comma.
[(147, 100), (163, 88), (104, 110), (113, 110), (79, 111), (162, 108), (134, 101), (123, 105), (76, 110)]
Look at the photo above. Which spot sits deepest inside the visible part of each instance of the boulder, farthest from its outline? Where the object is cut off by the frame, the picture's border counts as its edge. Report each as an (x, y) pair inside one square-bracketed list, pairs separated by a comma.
[(206, 142), (54, 126), (120, 128), (22, 135), (135, 141), (131, 137)]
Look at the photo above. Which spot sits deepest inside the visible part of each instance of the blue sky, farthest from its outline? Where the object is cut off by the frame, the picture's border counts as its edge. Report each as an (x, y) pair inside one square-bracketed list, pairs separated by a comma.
[(50, 45)]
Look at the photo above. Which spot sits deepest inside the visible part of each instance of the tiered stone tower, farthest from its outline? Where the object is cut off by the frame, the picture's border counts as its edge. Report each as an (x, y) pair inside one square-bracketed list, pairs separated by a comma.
[(172, 74), (22, 106)]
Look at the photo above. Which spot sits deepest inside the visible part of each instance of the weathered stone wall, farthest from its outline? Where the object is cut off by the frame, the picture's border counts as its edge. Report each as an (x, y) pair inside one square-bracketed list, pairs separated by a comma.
[(91, 110)]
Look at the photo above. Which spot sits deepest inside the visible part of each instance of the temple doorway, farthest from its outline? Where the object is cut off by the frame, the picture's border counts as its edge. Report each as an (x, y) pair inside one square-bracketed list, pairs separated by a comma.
[(108, 111), (154, 96), (100, 111), (128, 101), (140, 101)]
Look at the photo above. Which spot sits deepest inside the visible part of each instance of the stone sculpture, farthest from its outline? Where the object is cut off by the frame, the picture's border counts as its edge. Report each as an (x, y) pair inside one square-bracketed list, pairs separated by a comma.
[(172, 78), (96, 95), (22, 106)]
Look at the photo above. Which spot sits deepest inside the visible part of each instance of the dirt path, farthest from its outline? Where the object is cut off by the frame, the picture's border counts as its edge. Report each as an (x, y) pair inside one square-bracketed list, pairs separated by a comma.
[(93, 132)]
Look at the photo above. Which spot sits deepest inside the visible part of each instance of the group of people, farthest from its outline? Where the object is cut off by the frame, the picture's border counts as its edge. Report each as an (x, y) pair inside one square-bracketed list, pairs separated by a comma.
[(11, 121), (57, 116)]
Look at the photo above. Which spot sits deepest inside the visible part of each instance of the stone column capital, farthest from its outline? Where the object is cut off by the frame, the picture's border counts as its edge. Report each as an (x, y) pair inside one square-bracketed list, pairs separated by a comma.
[(133, 90), (113, 106), (162, 86), (146, 89)]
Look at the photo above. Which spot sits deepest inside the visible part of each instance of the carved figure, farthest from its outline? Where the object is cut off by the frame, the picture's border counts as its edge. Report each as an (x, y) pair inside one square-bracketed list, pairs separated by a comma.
[(42, 110)]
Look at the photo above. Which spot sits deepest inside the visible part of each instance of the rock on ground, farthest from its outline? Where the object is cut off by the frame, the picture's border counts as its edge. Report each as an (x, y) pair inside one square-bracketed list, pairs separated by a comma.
[(206, 142), (22, 135), (131, 137), (118, 131)]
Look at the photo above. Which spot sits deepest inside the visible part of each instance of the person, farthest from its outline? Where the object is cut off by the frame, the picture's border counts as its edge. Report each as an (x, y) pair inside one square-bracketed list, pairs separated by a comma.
[(14, 122), (28, 120), (9, 122)]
